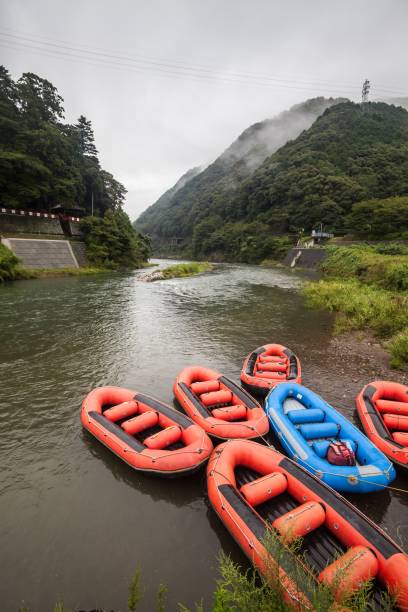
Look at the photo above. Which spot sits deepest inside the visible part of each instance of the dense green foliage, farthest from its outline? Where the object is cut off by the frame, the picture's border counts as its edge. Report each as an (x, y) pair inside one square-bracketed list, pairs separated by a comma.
[(111, 241), (243, 242), (348, 156), (379, 219), (208, 193), (369, 290), (44, 161), (9, 265)]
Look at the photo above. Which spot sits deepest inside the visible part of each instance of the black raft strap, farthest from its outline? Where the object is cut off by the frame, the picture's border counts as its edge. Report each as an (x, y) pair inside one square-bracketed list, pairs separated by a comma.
[(117, 431)]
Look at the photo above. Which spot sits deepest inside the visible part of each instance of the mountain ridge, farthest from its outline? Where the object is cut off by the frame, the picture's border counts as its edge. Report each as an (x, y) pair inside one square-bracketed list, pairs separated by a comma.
[(236, 163)]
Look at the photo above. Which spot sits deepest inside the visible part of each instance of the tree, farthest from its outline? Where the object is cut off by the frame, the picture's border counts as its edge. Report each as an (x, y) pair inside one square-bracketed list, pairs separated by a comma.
[(38, 100), (387, 218), (86, 138)]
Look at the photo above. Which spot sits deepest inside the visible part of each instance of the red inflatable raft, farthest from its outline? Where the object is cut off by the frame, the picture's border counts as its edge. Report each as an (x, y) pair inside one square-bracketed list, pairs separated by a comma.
[(383, 410), (257, 491), (147, 434), (218, 405), (267, 366)]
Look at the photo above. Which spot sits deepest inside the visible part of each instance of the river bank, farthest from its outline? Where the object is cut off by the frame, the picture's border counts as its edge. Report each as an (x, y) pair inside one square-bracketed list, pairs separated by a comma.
[(367, 287)]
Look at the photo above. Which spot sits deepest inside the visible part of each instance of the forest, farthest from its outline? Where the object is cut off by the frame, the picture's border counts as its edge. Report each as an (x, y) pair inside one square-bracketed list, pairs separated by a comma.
[(46, 162), (349, 167)]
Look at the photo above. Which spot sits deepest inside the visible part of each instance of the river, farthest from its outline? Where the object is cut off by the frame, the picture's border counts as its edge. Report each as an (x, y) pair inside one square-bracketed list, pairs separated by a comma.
[(75, 521)]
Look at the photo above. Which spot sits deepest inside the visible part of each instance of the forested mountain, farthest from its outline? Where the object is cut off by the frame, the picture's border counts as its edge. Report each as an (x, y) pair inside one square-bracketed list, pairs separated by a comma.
[(229, 170), (44, 161), (155, 211), (350, 154)]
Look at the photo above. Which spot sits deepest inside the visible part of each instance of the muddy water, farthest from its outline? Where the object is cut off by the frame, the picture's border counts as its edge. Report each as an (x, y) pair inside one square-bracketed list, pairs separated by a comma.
[(74, 521)]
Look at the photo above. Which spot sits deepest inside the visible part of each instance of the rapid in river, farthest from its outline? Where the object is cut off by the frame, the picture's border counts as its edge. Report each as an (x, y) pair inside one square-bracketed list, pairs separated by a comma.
[(75, 521)]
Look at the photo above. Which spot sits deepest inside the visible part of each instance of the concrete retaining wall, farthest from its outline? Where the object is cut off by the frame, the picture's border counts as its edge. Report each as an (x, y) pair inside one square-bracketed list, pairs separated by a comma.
[(53, 254), (305, 258), (13, 224), (79, 250)]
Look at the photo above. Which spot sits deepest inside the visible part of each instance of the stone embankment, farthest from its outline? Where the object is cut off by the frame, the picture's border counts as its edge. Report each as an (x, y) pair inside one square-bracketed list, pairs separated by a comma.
[(42, 240), (42, 254)]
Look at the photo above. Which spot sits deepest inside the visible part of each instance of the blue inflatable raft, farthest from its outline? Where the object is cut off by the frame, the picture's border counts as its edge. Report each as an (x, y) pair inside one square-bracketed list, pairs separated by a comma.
[(306, 425)]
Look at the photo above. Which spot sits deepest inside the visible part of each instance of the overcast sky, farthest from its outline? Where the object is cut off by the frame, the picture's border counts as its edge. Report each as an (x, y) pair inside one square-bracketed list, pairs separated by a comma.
[(169, 84)]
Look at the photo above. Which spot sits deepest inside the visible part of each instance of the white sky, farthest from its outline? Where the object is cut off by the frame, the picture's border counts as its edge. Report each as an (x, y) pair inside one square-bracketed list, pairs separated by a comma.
[(152, 120)]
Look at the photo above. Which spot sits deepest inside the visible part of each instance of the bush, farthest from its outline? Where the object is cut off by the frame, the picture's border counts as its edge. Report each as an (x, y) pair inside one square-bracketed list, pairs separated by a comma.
[(9, 265), (398, 346), (111, 241)]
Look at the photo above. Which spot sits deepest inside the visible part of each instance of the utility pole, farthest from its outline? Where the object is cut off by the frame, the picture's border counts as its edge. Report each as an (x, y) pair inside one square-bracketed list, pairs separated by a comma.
[(364, 93)]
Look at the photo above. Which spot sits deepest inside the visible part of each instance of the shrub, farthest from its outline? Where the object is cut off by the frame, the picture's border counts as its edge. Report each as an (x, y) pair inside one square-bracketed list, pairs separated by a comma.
[(9, 266), (111, 241), (398, 346)]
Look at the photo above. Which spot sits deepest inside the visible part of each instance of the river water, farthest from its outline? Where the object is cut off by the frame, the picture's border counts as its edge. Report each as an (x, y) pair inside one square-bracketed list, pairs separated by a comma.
[(75, 521)]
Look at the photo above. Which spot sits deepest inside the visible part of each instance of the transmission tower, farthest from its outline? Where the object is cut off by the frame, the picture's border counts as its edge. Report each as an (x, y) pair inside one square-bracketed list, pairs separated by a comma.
[(365, 91)]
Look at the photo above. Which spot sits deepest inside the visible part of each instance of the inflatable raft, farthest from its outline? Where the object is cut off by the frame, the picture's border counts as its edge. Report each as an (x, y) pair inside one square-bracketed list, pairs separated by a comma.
[(257, 492), (267, 366), (324, 442), (383, 410), (147, 434), (218, 405)]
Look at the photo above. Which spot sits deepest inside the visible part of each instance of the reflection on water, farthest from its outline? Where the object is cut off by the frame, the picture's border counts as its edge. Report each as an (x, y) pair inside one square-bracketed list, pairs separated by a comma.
[(76, 521)]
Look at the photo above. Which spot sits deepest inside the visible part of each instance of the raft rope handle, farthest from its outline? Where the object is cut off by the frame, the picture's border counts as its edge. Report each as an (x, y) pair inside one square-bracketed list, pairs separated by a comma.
[(249, 541)]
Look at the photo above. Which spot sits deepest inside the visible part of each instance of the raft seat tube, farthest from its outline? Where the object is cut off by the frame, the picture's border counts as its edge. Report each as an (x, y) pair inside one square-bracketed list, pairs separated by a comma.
[(141, 422), (205, 386), (271, 367), (164, 438), (262, 489), (235, 412), (392, 407), (401, 437), (310, 415), (396, 422), (216, 397), (300, 521), (358, 565), (121, 411), (319, 430)]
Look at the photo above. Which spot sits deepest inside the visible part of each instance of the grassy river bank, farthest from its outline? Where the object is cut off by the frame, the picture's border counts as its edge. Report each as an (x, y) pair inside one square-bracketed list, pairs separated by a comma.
[(367, 287)]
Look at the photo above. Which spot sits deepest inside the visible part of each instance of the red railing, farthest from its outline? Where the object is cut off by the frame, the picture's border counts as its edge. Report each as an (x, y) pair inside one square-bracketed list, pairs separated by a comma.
[(35, 213)]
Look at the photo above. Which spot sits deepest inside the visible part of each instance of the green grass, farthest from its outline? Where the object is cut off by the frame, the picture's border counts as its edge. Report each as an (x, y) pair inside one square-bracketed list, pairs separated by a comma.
[(238, 591), (383, 265), (367, 287), (60, 272), (186, 269)]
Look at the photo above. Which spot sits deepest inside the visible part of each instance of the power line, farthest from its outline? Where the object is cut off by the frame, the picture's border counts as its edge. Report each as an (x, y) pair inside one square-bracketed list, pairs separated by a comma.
[(180, 69), (197, 77), (174, 63)]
